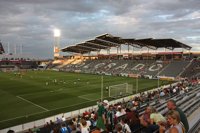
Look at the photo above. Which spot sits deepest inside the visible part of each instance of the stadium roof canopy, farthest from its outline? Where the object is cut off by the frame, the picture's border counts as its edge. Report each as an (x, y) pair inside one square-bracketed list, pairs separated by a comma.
[(157, 43), (106, 41)]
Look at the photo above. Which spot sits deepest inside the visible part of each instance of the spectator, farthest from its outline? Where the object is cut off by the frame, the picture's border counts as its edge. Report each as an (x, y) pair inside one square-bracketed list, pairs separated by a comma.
[(145, 118), (156, 117), (101, 121), (146, 121), (58, 120), (78, 128), (118, 128), (134, 121), (30, 131), (84, 128), (171, 105), (97, 130), (111, 116), (74, 120), (120, 111), (173, 119), (63, 128), (35, 130), (63, 119), (125, 126), (56, 129), (73, 128), (182, 92), (89, 124), (162, 94), (11, 131)]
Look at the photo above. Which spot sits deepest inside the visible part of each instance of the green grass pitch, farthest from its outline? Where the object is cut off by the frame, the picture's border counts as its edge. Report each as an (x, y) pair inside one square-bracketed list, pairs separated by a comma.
[(39, 94)]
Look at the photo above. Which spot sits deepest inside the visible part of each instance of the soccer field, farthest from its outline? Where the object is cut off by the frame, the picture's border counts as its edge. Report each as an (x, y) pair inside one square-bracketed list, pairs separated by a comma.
[(39, 94)]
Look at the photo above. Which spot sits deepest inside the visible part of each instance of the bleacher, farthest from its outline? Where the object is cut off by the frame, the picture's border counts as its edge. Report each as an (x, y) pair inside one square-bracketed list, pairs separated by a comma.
[(174, 68), (193, 70), (54, 64), (147, 68)]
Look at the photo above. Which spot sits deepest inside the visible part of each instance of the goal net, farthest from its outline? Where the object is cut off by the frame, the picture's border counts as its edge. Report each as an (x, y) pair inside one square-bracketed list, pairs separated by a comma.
[(120, 90)]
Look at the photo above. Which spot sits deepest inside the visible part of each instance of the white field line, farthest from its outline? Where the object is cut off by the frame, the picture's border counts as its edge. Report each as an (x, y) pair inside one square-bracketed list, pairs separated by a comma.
[(49, 91), (71, 106), (75, 104), (32, 103), (42, 112), (45, 111), (22, 116), (85, 97), (82, 97)]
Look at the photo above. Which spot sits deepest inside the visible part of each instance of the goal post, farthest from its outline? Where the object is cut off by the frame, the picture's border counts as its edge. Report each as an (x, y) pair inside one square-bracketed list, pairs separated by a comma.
[(120, 90)]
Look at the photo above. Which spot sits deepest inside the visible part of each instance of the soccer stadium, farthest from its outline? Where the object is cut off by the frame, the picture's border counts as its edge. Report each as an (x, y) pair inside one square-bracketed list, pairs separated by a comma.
[(101, 92)]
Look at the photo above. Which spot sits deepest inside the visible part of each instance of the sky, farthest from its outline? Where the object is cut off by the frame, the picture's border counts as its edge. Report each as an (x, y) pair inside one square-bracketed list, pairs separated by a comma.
[(30, 23)]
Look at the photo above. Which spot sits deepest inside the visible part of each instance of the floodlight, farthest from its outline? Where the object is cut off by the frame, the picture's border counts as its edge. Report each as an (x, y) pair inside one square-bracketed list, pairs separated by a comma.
[(56, 33)]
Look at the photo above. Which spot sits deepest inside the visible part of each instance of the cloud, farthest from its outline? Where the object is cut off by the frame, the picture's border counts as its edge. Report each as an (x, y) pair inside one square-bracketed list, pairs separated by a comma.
[(31, 22)]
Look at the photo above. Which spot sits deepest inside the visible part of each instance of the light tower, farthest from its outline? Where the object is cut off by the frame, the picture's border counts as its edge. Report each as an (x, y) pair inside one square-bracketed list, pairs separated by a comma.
[(56, 43)]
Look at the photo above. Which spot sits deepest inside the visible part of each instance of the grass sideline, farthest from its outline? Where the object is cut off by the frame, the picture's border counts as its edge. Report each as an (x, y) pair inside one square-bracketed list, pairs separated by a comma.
[(38, 94)]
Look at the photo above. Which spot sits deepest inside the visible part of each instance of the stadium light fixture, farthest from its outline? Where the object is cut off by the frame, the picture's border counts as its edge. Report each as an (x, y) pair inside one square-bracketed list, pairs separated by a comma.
[(56, 33)]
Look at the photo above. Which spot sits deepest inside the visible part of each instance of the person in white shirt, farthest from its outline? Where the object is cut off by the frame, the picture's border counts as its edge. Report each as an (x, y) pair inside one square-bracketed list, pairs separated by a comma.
[(63, 119), (120, 111), (84, 127)]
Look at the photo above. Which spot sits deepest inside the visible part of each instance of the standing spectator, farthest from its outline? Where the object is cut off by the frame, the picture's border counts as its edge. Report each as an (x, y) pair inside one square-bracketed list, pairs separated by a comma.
[(171, 105), (111, 116), (101, 120)]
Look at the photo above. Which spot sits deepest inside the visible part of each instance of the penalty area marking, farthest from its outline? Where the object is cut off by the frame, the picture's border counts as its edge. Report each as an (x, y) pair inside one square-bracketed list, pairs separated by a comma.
[(72, 106), (82, 97), (32, 103), (89, 99)]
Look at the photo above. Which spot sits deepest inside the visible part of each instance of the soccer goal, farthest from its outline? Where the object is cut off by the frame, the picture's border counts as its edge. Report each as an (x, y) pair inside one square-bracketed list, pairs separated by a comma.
[(120, 90)]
